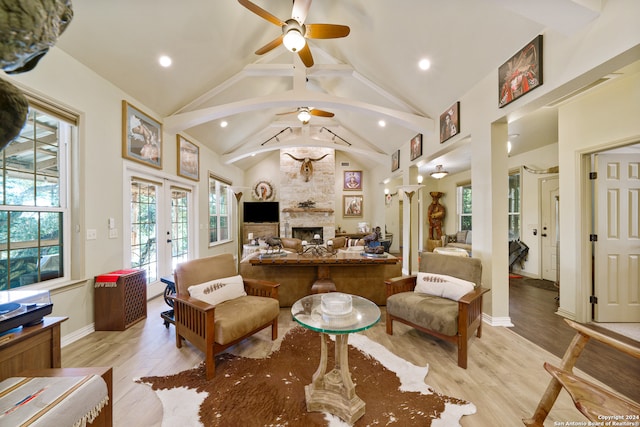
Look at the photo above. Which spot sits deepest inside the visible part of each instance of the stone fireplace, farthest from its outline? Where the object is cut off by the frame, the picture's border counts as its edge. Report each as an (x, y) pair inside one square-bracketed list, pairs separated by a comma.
[(319, 189), (306, 233)]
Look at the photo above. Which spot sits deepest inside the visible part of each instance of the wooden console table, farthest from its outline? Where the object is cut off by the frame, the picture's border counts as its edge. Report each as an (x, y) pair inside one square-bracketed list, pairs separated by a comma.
[(326, 267), (31, 347)]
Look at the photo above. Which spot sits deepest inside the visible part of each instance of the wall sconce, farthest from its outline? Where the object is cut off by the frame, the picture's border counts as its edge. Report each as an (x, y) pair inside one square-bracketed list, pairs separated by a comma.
[(439, 173), (388, 197), (420, 179)]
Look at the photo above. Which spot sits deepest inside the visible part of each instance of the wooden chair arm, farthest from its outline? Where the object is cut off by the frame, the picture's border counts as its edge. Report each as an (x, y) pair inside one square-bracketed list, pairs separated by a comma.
[(473, 295), (400, 284), (192, 302), (262, 288)]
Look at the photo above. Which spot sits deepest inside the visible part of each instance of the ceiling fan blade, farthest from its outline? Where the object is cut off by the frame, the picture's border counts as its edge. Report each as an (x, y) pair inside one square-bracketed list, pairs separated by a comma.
[(305, 55), (261, 12), (321, 113), (270, 46), (326, 31), (300, 10), (287, 113)]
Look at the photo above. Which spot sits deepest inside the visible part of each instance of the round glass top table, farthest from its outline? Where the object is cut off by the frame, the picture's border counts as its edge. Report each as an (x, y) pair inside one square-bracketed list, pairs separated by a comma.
[(334, 391)]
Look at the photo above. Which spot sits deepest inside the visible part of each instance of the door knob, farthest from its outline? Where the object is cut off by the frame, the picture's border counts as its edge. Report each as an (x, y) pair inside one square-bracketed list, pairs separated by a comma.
[(544, 234)]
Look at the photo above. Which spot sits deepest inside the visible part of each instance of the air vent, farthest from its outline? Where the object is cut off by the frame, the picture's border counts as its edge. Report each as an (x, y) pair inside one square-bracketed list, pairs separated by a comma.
[(345, 164), (583, 89)]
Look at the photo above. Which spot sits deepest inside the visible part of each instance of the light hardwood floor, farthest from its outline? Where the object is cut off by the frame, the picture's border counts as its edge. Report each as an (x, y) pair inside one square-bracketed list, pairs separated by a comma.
[(505, 378)]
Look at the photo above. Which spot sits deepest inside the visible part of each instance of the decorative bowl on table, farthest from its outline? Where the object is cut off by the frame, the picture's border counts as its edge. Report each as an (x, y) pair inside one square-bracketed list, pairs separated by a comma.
[(337, 309)]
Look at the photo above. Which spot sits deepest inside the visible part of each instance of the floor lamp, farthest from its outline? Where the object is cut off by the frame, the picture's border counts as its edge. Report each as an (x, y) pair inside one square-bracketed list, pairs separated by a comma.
[(237, 191), (409, 191)]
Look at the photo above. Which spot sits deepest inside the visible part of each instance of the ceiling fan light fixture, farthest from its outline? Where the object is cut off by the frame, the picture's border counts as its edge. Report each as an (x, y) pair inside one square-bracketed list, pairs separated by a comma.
[(439, 173), (304, 115), (293, 40)]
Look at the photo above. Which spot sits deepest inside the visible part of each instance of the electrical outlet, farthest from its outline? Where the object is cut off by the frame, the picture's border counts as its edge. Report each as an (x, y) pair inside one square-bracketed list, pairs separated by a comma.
[(91, 234), (113, 233)]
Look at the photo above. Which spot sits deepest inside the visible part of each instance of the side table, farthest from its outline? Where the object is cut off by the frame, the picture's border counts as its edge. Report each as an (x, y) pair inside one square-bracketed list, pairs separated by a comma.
[(334, 391)]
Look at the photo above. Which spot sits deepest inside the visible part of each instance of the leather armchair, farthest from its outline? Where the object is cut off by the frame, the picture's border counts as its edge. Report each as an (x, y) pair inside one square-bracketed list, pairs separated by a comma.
[(212, 329), (453, 321)]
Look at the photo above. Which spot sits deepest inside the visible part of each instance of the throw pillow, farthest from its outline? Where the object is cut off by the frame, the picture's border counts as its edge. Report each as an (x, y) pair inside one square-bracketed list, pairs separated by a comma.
[(217, 291), (352, 242), (443, 286), (461, 236)]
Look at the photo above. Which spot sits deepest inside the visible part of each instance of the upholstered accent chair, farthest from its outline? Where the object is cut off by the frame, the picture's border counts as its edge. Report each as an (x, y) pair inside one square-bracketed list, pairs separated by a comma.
[(448, 319), (213, 328)]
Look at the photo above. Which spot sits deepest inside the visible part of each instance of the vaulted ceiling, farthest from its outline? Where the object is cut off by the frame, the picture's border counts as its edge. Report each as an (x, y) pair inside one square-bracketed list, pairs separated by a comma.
[(368, 76)]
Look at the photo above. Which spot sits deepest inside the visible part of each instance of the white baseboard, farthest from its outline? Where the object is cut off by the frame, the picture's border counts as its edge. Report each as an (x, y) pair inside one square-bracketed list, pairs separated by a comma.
[(497, 321), (76, 335), (564, 313)]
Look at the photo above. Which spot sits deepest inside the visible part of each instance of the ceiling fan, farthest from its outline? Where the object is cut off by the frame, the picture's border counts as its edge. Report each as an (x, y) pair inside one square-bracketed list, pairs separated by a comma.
[(294, 30), (305, 113)]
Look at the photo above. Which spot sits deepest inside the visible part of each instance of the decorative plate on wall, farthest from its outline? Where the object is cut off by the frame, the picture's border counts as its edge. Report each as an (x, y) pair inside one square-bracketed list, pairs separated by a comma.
[(263, 190)]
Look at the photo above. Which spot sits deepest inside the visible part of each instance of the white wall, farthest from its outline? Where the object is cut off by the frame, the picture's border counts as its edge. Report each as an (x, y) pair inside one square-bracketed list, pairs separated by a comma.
[(65, 81), (604, 118), (570, 61)]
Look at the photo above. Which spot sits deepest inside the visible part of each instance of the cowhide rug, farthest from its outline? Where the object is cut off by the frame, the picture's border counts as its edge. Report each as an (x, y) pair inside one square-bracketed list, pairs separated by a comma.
[(270, 391)]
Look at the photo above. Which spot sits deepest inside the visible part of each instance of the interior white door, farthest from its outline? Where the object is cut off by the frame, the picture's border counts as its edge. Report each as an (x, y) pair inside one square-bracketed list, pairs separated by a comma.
[(617, 250), (549, 191)]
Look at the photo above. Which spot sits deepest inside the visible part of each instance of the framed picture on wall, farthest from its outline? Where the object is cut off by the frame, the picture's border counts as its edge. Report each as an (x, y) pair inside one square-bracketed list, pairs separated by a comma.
[(521, 73), (395, 161), (188, 159), (352, 206), (416, 146), (352, 180), (141, 137), (450, 122)]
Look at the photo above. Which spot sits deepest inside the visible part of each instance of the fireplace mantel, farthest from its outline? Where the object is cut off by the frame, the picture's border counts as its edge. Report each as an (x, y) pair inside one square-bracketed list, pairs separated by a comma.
[(307, 210)]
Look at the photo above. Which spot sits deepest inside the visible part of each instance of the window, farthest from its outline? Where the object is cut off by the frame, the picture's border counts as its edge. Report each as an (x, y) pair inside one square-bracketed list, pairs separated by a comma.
[(514, 206), (34, 217), (218, 211), (464, 207)]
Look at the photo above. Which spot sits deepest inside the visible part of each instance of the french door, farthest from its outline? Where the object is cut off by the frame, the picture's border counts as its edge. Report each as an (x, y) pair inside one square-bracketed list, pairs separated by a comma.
[(161, 227)]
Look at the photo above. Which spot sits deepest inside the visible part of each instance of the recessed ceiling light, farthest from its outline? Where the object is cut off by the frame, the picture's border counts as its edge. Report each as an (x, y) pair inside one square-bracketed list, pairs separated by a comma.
[(223, 124), (424, 64), (382, 123), (165, 61)]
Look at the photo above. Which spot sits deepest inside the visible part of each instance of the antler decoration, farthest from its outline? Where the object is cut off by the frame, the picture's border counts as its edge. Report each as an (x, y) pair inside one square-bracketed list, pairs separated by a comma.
[(306, 168)]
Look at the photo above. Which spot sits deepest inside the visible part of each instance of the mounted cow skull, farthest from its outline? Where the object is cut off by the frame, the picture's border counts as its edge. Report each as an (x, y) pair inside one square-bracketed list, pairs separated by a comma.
[(306, 168)]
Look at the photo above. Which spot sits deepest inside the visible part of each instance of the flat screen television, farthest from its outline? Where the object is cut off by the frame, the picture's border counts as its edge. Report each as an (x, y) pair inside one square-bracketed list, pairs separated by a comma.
[(261, 212)]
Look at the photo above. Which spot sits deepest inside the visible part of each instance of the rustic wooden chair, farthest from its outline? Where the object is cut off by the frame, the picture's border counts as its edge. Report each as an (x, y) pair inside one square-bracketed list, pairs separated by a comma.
[(453, 321), (212, 329), (593, 401)]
